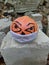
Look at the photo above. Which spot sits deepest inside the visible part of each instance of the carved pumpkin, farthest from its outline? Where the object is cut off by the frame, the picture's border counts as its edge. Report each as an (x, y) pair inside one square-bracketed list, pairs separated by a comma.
[(24, 25)]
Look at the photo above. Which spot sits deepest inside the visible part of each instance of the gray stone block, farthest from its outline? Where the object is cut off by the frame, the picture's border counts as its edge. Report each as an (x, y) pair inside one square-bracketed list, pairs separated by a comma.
[(34, 53)]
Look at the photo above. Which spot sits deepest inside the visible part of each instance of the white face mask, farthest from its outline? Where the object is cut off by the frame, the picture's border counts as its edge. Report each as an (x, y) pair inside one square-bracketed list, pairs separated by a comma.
[(24, 38)]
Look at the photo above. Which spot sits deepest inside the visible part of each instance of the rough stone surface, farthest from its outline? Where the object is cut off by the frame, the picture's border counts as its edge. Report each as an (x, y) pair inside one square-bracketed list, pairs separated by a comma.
[(28, 5), (25, 54), (2, 35), (4, 24), (48, 25), (36, 16)]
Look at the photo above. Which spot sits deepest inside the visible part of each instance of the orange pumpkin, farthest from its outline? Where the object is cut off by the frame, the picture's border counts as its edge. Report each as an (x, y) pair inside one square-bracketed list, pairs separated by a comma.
[(24, 25)]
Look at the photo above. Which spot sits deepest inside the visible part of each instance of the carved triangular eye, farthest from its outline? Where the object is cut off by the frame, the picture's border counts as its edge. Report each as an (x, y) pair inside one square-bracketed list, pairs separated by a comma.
[(30, 29), (16, 26)]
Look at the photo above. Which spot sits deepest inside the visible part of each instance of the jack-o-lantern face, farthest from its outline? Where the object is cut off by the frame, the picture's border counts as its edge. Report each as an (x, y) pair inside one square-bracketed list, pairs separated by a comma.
[(24, 25)]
